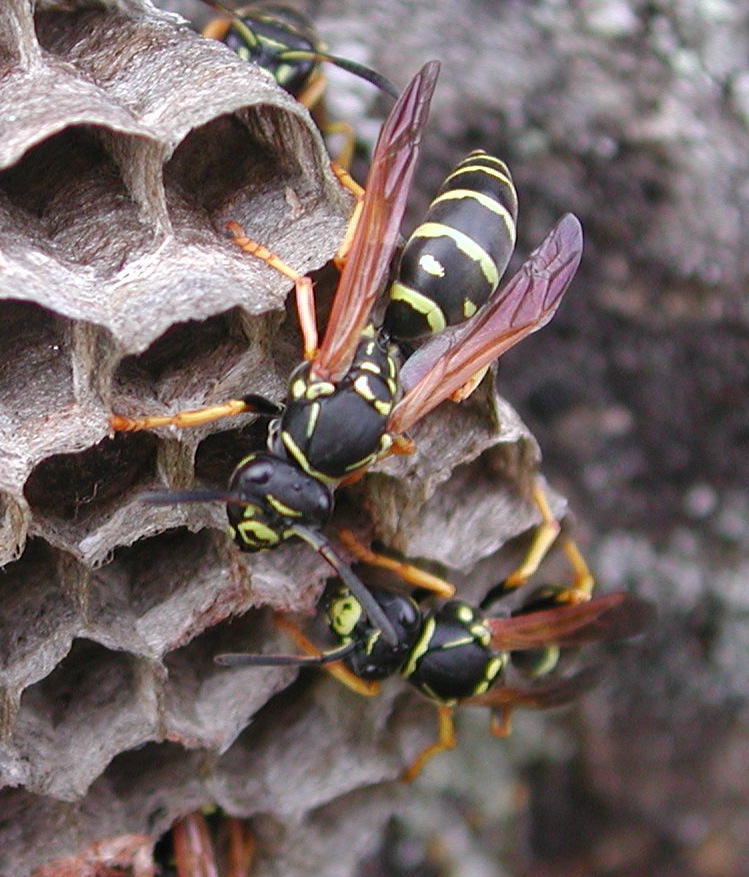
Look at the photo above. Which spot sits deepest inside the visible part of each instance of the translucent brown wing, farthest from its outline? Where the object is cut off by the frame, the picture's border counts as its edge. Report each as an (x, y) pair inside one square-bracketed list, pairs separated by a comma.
[(385, 198), (605, 618), (526, 303), (540, 695)]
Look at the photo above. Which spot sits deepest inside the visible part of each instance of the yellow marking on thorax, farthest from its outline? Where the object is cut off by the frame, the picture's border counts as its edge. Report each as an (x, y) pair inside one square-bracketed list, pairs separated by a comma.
[(296, 453), (419, 649)]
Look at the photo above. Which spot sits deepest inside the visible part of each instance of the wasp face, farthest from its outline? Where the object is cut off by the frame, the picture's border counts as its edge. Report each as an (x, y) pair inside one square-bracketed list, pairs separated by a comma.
[(374, 658), (272, 496)]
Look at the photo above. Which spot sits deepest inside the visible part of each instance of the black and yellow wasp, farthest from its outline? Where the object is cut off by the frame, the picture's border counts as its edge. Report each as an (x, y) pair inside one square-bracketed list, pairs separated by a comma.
[(346, 404), (285, 42), (456, 653)]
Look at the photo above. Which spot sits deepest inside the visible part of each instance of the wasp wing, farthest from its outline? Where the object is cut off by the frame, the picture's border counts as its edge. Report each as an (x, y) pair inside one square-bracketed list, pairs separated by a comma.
[(606, 618), (376, 236), (526, 303), (540, 695)]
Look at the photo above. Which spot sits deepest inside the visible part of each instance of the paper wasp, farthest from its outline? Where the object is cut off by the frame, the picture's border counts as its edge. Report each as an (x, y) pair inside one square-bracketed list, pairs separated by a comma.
[(284, 42), (271, 496), (458, 654), (342, 410)]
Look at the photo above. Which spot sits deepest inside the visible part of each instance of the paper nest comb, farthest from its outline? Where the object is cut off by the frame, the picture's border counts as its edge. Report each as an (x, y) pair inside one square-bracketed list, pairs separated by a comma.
[(126, 142)]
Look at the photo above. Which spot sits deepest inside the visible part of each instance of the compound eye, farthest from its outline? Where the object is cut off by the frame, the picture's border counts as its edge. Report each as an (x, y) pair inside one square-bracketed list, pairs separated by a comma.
[(260, 472), (257, 470)]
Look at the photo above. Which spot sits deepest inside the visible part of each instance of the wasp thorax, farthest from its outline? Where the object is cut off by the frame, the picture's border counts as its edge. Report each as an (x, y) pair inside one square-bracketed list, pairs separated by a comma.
[(331, 429)]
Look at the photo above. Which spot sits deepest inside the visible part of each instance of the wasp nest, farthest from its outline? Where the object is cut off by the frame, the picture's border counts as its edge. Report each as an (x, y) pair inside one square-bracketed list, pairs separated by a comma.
[(127, 142)]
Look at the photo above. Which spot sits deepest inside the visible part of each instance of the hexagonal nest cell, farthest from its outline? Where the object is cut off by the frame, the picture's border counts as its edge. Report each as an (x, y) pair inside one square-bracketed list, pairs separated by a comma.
[(128, 142)]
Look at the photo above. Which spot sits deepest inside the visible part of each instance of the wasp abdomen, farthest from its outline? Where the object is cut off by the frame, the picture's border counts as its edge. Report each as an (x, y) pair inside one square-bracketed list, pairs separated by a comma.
[(454, 260)]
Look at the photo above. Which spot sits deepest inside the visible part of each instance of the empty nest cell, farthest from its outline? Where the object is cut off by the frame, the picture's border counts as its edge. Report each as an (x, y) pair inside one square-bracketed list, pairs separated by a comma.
[(39, 619), (209, 705), (94, 704), (36, 370), (67, 195), (72, 487), (177, 584)]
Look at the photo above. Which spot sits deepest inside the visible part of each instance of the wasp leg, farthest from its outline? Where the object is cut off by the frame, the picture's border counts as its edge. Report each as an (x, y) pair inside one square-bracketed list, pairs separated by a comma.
[(445, 741), (582, 585), (346, 152), (419, 578), (348, 182), (462, 393), (582, 578), (216, 29), (311, 95), (335, 668), (401, 445), (544, 537), (312, 98), (182, 419), (305, 297)]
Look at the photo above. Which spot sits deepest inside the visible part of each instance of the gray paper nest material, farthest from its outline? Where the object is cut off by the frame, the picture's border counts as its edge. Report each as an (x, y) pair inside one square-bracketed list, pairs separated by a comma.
[(126, 143)]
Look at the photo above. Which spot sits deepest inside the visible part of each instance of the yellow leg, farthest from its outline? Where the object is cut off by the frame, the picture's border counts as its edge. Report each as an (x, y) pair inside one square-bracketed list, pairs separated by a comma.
[(348, 182), (582, 578), (401, 445), (336, 668), (445, 741), (182, 419), (419, 578), (305, 298), (583, 582), (462, 393), (311, 95), (544, 537), (312, 98), (216, 29), (346, 152)]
